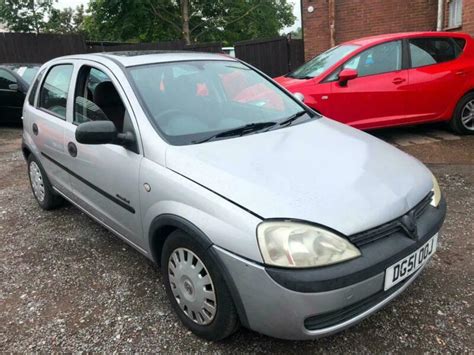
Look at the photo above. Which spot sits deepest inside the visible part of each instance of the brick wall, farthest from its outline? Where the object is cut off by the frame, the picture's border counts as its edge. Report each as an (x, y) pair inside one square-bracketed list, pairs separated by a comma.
[(468, 17), (360, 18)]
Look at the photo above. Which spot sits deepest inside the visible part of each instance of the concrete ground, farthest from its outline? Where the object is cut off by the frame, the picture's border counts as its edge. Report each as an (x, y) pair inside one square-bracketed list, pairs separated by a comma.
[(66, 284)]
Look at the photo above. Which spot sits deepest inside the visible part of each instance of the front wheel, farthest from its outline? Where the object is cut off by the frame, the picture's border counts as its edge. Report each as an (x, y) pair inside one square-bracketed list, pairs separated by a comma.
[(463, 118), (196, 289)]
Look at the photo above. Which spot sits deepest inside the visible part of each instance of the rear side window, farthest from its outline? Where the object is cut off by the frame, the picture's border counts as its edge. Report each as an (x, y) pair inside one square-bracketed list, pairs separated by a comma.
[(461, 42), (428, 51), (6, 79), (53, 93), (31, 97)]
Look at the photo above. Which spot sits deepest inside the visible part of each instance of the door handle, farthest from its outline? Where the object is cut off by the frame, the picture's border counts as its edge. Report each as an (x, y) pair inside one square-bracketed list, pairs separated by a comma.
[(72, 149), (460, 73), (398, 81), (35, 129)]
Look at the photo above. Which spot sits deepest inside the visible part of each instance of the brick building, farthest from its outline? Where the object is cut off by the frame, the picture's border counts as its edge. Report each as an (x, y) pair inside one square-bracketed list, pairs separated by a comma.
[(359, 18)]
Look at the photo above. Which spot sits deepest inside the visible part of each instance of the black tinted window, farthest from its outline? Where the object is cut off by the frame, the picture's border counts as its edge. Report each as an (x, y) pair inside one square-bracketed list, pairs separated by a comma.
[(6, 79), (428, 51), (31, 97), (461, 42), (53, 93)]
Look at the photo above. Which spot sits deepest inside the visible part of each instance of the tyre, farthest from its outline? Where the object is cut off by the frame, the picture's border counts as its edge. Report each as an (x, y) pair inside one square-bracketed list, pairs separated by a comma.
[(196, 289), (463, 118), (41, 187)]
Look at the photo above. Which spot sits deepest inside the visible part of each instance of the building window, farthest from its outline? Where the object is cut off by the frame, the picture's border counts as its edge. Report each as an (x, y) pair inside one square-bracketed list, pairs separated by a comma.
[(455, 13)]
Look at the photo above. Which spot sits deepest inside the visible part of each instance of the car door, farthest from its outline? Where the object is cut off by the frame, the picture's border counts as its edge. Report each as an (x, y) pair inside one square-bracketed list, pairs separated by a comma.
[(436, 78), (105, 178), (45, 120), (11, 97), (377, 97)]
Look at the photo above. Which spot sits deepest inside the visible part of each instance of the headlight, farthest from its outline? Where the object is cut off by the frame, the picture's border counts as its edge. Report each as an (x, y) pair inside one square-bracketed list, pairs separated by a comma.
[(298, 245), (436, 192)]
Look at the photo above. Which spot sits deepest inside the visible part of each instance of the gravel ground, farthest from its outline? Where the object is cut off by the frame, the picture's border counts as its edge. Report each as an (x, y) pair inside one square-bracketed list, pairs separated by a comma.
[(67, 284)]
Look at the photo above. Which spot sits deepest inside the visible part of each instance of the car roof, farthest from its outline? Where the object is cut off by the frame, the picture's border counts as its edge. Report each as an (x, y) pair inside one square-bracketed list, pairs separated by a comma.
[(367, 41), (133, 58)]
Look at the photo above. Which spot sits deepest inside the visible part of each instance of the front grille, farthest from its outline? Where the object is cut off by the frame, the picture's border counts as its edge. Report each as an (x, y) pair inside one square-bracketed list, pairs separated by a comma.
[(390, 228), (329, 319)]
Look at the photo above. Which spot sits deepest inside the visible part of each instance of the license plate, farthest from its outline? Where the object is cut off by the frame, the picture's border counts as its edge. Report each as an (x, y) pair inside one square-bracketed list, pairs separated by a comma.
[(408, 265)]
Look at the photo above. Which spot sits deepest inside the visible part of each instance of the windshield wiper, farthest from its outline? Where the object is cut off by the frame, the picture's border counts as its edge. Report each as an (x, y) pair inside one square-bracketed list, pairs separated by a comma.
[(292, 118), (239, 131)]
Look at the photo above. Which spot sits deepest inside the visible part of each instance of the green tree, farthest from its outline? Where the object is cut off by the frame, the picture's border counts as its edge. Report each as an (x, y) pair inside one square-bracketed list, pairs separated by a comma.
[(65, 20), (25, 15), (191, 20)]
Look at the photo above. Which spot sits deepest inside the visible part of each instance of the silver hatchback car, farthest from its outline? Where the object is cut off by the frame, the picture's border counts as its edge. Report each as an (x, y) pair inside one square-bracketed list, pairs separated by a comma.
[(260, 212)]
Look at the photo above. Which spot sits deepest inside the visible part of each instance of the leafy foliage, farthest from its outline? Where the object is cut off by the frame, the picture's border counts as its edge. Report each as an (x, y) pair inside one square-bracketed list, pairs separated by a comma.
[(192, 20), (25, 15)]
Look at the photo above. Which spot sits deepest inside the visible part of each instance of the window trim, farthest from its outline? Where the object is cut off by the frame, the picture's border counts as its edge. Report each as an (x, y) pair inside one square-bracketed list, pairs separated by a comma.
[(404, 65), (458, 50), (68, 93), (39, 76)]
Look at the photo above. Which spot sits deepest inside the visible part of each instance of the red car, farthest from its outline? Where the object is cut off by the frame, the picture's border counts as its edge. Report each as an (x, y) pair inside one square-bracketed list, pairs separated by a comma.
[(392, 80)]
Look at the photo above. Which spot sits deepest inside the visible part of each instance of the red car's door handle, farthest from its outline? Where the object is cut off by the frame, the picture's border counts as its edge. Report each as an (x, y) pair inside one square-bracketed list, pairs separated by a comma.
[(460, 73), (398, 81)]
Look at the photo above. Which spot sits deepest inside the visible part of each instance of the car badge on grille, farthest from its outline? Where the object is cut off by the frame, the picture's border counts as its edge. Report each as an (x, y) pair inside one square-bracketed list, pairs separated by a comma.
[(409, 224)]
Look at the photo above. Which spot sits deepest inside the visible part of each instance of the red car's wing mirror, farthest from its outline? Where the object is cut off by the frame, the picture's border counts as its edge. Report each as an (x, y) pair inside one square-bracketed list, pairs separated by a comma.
[(347, 74)]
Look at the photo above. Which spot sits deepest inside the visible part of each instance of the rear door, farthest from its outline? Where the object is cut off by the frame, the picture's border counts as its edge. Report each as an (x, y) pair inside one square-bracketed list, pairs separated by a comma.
[(437, 78), (46, 121), (377, 97), (11, 97)]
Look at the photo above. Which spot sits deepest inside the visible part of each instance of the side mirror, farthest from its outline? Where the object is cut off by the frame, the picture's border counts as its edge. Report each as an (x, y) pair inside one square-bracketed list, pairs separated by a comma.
[(299, 96), (96, 132), (347, 74), (14, 87)]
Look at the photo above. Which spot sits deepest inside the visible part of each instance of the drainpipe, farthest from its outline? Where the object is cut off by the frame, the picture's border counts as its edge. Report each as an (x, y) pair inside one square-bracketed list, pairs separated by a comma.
[(439, 23), (332, 22)]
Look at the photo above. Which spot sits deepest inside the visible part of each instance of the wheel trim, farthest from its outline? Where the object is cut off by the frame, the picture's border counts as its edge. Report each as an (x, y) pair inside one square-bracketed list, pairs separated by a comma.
[(192, 286), (37, 182), (467, 115)]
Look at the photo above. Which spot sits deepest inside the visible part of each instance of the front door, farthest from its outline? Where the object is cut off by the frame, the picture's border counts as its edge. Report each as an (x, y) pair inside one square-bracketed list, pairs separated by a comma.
[(377, 96), (105, 178), (11, 98)]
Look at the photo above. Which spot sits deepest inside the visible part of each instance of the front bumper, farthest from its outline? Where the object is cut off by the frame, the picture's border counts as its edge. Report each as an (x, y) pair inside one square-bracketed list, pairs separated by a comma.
[(285, 305)]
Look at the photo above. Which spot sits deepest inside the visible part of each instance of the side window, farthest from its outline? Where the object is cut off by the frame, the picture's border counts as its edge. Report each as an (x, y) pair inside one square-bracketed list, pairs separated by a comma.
[(428, 51), (383, 58), (53, 93), (6, 79), (96, 99), (32, 95)]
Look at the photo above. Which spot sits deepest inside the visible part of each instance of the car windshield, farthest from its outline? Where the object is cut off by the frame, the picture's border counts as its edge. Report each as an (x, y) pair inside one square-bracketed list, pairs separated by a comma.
[(322, 62), (27, 72), (195, 101)]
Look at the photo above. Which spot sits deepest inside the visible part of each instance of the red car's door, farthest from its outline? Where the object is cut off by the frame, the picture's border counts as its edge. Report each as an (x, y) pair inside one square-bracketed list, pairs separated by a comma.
[(377, 97), (436, 79)]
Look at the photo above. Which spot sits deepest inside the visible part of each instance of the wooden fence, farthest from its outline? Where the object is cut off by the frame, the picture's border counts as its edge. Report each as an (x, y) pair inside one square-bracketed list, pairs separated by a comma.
[(274, 56), (32, 48)]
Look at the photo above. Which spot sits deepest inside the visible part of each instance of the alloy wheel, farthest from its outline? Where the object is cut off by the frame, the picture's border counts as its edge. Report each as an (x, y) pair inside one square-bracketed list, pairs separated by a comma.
[(467, 115), (192, 286)]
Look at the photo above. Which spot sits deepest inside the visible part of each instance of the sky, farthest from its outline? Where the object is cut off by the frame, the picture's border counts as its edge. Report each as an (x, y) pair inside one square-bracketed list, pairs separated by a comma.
[(296, 10)]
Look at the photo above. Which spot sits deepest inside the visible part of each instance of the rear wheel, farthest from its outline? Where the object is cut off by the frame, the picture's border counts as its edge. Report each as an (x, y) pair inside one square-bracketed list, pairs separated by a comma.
[(196, 289), (41, 187), (463, 118)]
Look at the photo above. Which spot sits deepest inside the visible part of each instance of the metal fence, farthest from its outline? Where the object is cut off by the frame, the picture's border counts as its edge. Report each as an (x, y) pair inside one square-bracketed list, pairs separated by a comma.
[(274, 56)]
